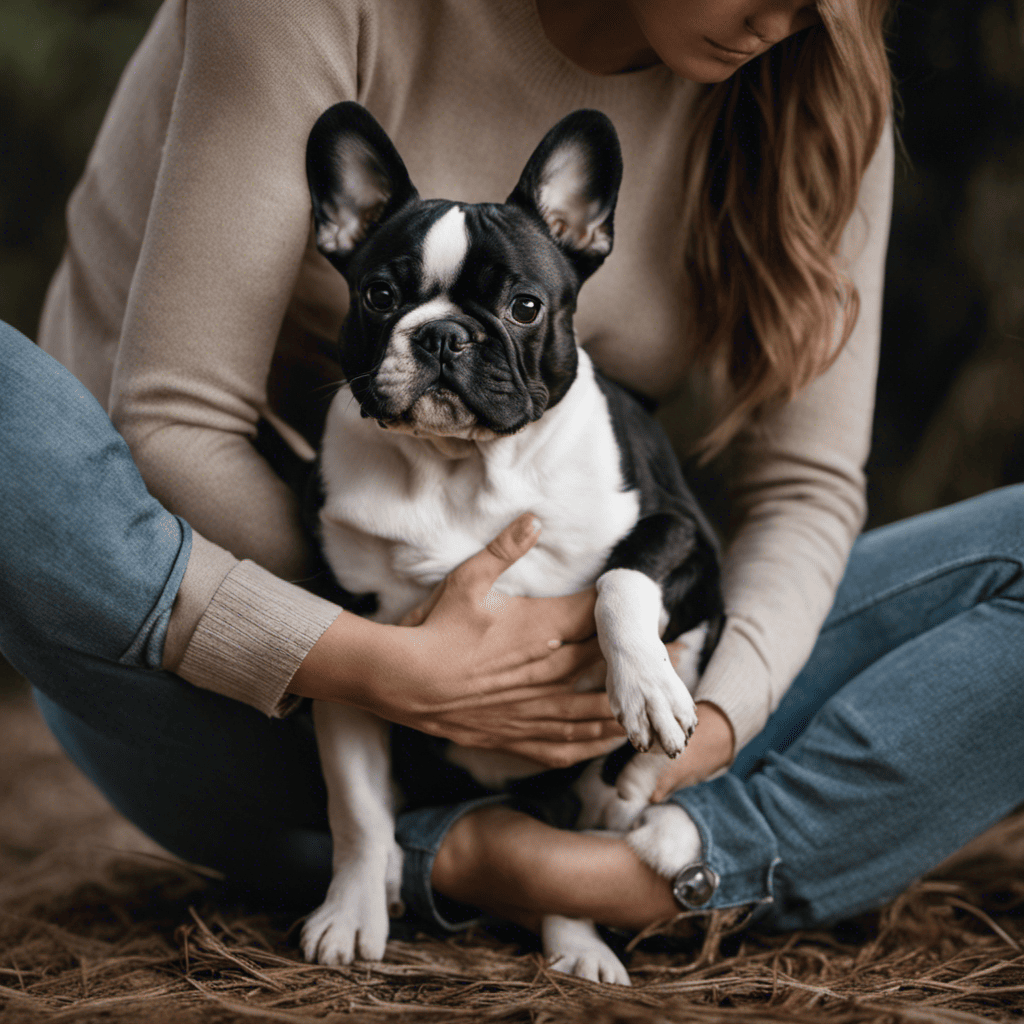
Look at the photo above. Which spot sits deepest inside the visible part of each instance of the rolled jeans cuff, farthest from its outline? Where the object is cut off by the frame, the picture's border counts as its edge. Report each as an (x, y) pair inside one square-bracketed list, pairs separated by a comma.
[(420, 833), (738, 846)]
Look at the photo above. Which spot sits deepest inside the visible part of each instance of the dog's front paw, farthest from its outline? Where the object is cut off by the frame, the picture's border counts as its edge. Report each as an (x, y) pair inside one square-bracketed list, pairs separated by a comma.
[(353, 923), (573, 946), (651, 702), (665, 838)]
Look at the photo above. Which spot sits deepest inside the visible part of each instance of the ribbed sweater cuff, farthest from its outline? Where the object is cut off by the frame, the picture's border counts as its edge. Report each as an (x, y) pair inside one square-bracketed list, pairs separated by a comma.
[(737, 681), (253, 636)]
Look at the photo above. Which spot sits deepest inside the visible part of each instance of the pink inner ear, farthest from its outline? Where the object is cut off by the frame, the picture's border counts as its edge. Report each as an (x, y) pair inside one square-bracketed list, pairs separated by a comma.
[(572, 217), (363, 193)]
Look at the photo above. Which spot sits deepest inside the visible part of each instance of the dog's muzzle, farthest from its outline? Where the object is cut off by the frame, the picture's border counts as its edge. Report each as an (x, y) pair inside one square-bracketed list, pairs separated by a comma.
[(445, 340)]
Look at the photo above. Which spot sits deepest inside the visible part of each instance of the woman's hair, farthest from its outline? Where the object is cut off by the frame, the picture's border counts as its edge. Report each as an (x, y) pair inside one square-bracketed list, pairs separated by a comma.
[(773, 168)]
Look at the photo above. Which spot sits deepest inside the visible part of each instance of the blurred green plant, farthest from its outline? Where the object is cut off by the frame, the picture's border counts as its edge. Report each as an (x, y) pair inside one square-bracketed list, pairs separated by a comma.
[(60, 61)]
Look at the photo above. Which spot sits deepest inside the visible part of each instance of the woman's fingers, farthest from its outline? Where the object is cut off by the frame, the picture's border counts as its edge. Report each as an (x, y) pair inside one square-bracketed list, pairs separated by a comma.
[(554, 754), (574, 707), (554, 730), (419, 614), (565, 662), (565, 706), (572, 617), (480, 572)]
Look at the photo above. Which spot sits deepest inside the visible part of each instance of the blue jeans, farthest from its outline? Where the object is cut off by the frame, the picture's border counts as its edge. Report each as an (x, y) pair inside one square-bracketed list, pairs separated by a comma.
[(898, 742)]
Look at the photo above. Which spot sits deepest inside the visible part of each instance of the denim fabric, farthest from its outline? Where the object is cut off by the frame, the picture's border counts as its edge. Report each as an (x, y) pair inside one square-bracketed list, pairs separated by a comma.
[(419, 832), (90, 565), (899, 741), (90, 562)]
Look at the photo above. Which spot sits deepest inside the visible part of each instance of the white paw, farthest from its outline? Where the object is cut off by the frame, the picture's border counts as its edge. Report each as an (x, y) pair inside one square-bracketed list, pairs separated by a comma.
[(651, 702), (617, 807), (620, 814), (573, 946), (647, 696), (665, 838), (352, 923)]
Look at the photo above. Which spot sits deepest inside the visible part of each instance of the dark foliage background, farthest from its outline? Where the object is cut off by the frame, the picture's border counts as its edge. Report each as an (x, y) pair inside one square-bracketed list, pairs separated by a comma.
[(950, 418)]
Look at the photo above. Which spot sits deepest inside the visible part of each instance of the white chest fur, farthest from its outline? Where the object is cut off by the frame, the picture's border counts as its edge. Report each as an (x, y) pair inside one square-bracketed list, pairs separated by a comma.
[(401, 512)]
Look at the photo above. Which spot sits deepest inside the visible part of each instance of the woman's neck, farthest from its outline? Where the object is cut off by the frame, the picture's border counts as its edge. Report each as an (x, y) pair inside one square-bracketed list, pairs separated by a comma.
[(601, 36)]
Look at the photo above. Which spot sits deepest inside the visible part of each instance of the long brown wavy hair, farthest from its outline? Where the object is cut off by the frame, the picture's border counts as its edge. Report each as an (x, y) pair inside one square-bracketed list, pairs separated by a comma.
[(773, 168)]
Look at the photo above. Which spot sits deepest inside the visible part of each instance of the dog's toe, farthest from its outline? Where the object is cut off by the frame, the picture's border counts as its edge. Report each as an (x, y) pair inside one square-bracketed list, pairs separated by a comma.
[(573, 946), (352, 924), (592, 966)]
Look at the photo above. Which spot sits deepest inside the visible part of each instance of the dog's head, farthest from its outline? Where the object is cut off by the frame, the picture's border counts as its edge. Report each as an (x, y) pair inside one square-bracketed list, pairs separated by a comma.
[(460, 320)]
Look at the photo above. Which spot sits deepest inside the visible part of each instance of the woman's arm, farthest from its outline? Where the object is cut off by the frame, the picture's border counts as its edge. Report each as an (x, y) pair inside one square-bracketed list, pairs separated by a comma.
[(227, 229), (799, 493), (481, 668)]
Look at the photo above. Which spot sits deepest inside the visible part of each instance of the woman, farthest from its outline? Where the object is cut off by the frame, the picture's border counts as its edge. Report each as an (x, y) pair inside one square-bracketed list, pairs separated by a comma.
[(749, 255)]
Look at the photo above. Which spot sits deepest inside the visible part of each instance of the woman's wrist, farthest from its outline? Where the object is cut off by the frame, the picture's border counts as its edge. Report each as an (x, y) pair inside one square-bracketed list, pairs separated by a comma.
[(709, 750), (346, 663)]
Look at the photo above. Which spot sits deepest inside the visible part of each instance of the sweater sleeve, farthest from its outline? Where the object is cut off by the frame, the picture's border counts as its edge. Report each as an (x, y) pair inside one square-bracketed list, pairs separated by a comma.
[(240, 631), (227, 228), (799, 493)]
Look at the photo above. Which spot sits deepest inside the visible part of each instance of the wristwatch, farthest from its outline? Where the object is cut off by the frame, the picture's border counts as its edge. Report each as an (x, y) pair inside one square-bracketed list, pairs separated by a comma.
[(693, 887)]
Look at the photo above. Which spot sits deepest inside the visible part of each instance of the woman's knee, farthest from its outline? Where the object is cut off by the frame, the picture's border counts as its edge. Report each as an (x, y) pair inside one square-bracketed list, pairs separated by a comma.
[(89, 560)]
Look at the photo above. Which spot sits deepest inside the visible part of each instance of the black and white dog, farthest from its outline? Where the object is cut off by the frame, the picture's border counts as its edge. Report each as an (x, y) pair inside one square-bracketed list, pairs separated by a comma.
[(468, 403)]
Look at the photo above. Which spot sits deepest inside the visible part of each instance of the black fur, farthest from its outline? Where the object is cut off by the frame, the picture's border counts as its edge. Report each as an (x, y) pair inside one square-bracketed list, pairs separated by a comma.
[(507, 373), (672, 541)]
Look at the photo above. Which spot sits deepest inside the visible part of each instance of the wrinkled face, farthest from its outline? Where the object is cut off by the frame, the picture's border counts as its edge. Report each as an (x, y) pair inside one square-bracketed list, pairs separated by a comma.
[(707, 40), (460, 322), (460, 319)]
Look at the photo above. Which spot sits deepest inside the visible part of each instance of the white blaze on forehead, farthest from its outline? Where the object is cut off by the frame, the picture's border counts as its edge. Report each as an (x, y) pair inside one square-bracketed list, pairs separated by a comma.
[(445, 248)]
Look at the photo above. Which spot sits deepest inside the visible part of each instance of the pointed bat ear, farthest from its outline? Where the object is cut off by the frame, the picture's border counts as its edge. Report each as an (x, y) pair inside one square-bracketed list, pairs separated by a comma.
[(572, 182), (356, 179)]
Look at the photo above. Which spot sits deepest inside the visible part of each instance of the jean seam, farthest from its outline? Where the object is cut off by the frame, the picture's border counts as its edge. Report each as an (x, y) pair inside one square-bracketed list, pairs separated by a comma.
[(929, 577), (760, 877), (138, 648)]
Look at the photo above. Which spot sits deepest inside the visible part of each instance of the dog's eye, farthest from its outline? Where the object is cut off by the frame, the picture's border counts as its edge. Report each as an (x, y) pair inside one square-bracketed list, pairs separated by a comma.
[(380, 297), (524, 309)]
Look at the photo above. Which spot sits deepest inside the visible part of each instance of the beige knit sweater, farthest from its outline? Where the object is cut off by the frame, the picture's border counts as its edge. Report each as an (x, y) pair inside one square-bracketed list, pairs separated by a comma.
[(190, 292)]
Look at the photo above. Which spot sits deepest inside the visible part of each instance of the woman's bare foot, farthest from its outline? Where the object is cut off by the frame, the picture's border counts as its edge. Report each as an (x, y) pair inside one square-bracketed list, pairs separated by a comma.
[(513, 866)]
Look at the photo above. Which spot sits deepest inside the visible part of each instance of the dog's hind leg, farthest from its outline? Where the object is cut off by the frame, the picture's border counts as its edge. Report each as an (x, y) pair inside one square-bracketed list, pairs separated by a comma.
[(352, 923)]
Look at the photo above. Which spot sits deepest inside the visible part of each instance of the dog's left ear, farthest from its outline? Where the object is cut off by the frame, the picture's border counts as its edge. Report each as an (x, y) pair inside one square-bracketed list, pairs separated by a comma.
[(571, 182)]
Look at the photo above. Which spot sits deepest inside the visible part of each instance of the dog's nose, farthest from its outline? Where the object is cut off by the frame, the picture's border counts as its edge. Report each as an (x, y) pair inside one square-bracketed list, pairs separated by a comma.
[(442, 338)]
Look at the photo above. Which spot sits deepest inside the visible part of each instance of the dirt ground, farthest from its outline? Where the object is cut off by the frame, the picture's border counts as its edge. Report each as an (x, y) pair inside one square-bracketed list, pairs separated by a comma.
[(97, 924)]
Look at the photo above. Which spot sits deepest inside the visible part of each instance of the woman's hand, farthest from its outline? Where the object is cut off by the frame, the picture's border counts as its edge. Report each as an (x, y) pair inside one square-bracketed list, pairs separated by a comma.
[(480, 668), (709, 750)]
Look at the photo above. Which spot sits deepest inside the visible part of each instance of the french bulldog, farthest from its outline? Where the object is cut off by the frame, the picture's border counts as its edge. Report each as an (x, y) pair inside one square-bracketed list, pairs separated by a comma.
[(467, 402)]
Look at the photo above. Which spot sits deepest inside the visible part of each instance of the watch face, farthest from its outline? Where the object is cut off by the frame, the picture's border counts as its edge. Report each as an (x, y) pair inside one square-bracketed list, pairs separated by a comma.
[(694, 886)]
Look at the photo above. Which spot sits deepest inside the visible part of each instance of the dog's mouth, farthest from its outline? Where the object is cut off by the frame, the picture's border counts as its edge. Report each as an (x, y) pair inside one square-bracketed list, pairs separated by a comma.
[(437, 412)]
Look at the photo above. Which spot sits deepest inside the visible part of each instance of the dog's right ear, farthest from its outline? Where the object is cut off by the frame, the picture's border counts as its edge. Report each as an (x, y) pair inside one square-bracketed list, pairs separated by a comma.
[(356, 179)]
